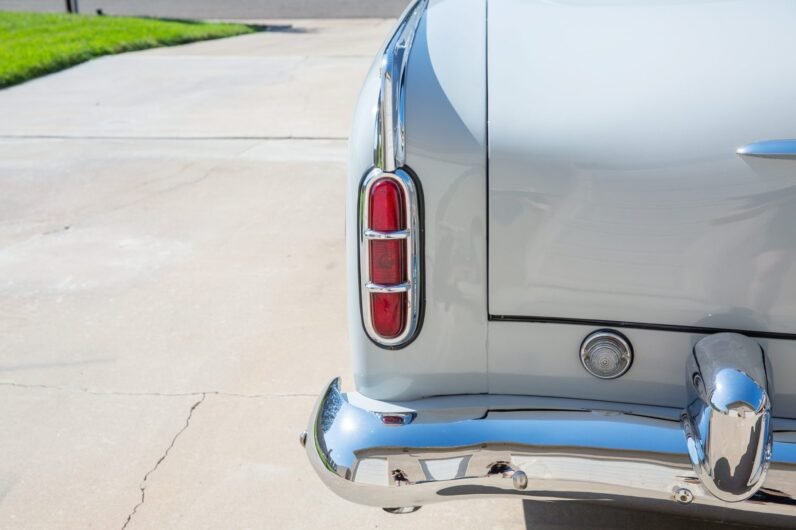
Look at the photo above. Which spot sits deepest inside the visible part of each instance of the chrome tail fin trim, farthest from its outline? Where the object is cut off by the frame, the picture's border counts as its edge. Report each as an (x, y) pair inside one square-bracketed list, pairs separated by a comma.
[(389, 160)]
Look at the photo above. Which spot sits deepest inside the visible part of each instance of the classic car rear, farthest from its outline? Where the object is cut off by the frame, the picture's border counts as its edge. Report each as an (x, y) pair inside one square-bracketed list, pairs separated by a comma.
[(571, 247)]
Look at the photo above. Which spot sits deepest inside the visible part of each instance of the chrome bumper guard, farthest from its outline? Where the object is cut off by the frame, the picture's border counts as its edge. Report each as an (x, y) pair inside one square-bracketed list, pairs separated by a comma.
[(724, 457)]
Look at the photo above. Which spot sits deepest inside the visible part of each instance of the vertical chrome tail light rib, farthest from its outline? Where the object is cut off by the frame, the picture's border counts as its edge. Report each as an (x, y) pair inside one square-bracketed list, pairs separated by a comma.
[(390, 271)]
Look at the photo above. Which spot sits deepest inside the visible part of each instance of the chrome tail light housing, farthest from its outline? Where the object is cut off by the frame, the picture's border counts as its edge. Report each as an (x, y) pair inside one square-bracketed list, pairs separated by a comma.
[(390, 230), (390, 266)]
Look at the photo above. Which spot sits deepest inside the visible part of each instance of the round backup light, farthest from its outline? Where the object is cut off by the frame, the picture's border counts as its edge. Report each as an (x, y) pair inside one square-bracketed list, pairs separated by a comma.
[(606, 354)]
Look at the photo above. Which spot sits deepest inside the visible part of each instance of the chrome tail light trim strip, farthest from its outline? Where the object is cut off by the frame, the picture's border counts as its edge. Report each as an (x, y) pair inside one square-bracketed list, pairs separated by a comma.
[(378, 288), (376, 234), (389, 153), (389, 161)]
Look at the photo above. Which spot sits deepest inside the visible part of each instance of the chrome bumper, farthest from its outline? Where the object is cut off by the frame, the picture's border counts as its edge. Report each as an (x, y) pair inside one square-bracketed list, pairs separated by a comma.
[(384, 455)]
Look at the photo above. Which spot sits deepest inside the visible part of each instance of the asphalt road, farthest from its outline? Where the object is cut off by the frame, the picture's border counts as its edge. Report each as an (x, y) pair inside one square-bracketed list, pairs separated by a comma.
[(235, 9), (172, 292)]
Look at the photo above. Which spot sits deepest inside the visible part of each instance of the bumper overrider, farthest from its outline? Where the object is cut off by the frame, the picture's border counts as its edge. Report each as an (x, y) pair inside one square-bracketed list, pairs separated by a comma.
[(724, 457)]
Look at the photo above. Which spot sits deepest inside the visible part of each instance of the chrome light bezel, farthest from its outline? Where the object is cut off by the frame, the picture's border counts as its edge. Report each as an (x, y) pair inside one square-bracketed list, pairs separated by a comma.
[(412, 256), (612, 336)]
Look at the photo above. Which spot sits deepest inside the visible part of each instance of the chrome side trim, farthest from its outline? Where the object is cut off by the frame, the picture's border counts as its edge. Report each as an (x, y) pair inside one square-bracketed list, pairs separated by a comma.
[(566, 450), (769, 149), (728, 418), (412, 237), (389, 153)]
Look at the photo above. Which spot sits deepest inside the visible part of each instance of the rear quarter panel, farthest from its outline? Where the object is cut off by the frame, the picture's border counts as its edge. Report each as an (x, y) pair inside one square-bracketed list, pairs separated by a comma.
[(446, 150)]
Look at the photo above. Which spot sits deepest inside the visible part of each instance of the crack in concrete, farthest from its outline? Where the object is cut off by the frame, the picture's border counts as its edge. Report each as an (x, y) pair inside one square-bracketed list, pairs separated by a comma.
[(155, 394), (144, 482)]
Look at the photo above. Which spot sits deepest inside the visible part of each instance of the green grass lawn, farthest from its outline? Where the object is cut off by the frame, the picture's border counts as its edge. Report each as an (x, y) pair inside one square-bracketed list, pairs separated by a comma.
[(34, 44)]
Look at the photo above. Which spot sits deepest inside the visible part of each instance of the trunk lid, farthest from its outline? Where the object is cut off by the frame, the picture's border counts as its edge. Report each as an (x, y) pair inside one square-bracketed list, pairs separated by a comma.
[(615, 190)]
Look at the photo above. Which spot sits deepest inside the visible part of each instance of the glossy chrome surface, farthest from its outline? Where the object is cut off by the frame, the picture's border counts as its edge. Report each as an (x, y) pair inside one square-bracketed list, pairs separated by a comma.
[(412, 255), (376, 234), (683, 495), (403, 510), (389, 156), (475, 446), (606, 354), (390, 152), (728, 418), (371, 287), (769, 149)]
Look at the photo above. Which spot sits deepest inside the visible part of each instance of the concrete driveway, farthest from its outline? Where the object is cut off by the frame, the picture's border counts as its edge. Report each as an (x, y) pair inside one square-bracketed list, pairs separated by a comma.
[(246, 9), (172, 291)]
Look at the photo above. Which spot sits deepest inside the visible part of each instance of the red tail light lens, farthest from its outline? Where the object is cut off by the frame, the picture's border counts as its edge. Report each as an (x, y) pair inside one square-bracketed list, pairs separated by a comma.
[(386, 215), (387, 262), (388, 313), (386, 206), (387, 257)]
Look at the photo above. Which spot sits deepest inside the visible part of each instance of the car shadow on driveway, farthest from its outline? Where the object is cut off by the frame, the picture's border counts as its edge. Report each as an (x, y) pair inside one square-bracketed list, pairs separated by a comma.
[(541, 515)]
